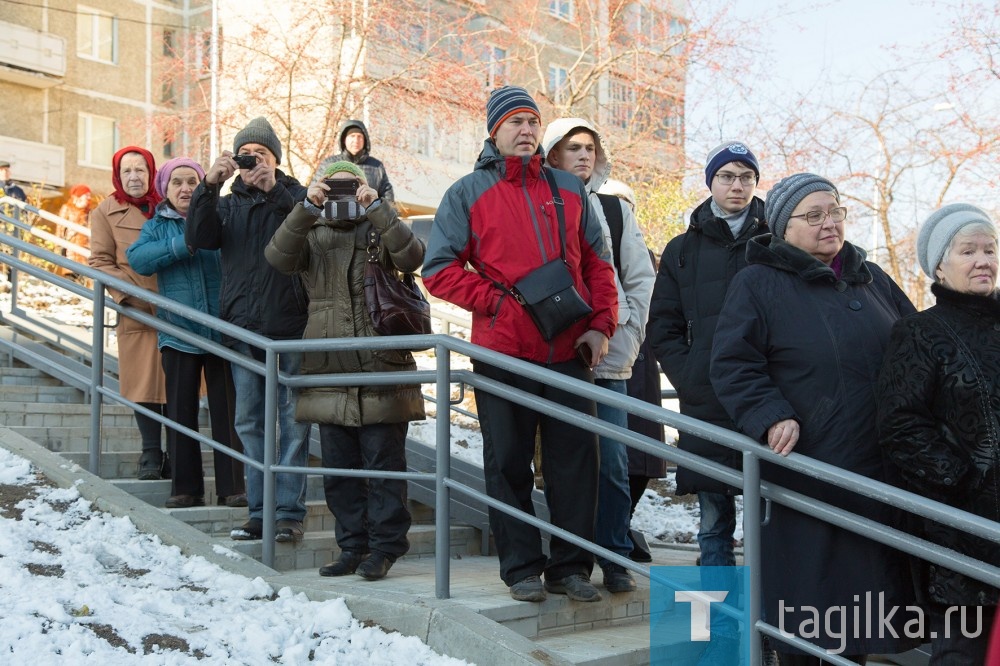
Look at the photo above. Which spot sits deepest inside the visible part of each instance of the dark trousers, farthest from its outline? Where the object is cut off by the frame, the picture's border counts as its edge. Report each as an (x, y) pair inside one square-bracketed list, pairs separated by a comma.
[(569, 467), (371, 514), (183, 382), (958, 641)]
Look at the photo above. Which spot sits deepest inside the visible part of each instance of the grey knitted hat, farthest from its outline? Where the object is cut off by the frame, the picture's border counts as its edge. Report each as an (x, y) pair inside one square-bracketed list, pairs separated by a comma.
[(938, 230), (259, 131), (788, 193)]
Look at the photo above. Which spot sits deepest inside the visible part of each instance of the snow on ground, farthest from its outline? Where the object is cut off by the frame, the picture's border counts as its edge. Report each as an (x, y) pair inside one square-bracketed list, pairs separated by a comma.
[(81, 586)]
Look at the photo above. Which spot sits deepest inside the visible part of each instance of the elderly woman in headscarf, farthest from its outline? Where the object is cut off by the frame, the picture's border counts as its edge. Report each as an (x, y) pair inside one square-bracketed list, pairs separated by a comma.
[(939, 415), (797, 351), (114, 225), (360, 427), (191, 277)]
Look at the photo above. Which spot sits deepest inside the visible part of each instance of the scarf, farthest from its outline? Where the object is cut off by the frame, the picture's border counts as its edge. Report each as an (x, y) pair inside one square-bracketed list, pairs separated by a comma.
[(147, 202)]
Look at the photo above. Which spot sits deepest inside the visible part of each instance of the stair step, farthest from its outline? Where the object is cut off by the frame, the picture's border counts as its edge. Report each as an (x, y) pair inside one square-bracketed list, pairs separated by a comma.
[(622, 643), (22, 376), (22, 413), (39, 394)]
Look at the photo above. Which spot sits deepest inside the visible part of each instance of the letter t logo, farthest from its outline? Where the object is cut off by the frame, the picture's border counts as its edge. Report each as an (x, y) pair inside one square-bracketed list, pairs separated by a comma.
[(700, 610)]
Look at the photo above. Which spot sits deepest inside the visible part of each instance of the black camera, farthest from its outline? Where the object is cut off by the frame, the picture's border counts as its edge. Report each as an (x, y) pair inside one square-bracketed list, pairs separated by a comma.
[(245, 161), (341, 199)]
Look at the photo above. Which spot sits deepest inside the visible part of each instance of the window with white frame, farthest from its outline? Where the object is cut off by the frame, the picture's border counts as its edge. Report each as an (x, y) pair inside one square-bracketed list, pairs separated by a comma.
[(496, 67), (96, 34), (561, 9), (558, 83), (677, 31), (621, 103), (97, 137)]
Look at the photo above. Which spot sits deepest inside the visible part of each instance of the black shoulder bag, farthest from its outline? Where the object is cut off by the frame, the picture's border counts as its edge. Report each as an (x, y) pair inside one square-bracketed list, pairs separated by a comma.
[(548, 293)]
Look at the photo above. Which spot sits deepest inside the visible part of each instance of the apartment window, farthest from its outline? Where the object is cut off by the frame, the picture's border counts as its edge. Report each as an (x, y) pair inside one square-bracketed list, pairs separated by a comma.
[(621, 103), (496, 67), (562, 9), (168, 42), (415, 37), (558, 82), (168, 145), (167, 91), (97, 137), (677, 31), (96, 34)]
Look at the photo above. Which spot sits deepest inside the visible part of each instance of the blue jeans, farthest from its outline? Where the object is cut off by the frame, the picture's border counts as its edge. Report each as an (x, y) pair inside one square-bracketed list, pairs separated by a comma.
[(293, 448), (718, 525), (614, 502)]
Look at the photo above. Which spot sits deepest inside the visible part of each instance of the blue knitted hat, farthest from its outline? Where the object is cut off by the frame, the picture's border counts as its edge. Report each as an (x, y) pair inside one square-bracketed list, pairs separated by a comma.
[(730, 151)]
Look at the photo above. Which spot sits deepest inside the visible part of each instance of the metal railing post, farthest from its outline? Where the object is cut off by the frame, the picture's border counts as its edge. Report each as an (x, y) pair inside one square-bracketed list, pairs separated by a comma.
[(442, 495), (96, 379), (270, 441), (751, 548)]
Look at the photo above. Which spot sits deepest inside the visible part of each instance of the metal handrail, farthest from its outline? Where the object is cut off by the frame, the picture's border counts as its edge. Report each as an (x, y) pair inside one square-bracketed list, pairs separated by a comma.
[(444, 376)]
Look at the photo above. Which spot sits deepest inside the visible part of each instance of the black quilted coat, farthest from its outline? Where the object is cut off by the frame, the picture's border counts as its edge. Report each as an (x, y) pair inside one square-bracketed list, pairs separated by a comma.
[(939, 405)]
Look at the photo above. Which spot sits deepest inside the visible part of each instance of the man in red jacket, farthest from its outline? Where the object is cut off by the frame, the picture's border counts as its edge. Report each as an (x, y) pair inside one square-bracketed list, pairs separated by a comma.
[(503, 221)]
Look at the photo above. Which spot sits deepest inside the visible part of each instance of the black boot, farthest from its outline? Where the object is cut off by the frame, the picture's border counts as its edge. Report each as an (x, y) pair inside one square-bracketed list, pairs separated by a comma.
[(346, 564), (376, 566), (151, 465)]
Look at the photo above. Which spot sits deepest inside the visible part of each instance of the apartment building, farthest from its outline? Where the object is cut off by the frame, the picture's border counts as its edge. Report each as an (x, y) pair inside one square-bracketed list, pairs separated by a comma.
[(79, 80)]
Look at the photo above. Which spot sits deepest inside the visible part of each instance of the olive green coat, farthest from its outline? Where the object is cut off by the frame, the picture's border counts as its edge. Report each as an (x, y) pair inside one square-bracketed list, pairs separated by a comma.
[(330, 255)]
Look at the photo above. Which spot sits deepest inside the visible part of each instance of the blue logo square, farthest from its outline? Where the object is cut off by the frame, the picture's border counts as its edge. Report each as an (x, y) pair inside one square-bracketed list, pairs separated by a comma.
[(697, 616)]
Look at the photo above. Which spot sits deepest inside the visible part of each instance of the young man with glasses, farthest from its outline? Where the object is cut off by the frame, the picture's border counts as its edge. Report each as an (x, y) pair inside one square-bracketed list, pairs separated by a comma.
[(691, 283)]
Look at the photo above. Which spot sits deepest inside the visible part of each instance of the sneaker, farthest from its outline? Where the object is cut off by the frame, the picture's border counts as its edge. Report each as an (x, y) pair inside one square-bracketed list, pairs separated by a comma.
[(618, 579), (528, 589), (346, 564), (287, 530), (251, 530), (376, 566), (150, 465), (575, 586), (184, 501)]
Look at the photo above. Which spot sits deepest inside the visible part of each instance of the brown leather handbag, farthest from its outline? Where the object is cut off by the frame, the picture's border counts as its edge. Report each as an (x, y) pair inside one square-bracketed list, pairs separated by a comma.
[(395, 303)]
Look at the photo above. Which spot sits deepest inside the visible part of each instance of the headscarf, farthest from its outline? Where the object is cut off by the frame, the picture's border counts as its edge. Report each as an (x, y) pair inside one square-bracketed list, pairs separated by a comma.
[(146, 203)]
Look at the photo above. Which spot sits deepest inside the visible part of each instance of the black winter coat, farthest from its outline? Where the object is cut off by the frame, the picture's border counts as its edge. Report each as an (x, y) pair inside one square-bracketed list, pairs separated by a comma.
[(939, 406), (253, 295), (691, 283), (795, 342)]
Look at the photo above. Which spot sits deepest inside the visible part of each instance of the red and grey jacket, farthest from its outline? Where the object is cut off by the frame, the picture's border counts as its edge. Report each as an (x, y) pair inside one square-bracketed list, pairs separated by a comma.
[(500, 221)]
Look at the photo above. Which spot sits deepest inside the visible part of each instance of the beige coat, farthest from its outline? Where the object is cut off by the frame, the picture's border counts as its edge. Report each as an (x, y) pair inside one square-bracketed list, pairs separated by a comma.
[(113, 227)]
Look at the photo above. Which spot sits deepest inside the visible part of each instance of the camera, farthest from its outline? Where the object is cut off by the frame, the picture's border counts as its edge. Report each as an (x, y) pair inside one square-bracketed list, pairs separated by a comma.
[(245, 161), (341, 199)]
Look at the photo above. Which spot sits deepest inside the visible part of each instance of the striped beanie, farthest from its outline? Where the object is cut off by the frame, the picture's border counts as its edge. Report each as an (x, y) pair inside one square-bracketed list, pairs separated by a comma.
[(788, 193), (938, 230), (505, 102)]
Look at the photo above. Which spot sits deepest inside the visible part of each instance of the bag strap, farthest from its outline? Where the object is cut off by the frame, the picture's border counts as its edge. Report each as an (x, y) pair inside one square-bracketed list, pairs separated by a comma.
[(374, 246), (616, 224), (557, 200)]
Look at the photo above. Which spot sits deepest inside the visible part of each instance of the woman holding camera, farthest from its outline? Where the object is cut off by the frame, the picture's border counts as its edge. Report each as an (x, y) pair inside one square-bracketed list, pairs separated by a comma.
[(326, 240)]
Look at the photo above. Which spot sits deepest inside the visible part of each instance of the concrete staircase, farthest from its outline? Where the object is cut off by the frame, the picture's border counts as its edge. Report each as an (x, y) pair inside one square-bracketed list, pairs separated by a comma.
[(613, 631)]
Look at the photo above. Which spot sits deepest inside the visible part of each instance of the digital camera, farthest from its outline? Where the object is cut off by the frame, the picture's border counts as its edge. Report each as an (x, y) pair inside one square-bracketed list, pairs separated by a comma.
[(245, 161), (341, 200)]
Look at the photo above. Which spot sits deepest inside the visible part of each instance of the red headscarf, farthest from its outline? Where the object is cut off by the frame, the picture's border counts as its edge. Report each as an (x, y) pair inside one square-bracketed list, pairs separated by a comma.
[(147, 202)]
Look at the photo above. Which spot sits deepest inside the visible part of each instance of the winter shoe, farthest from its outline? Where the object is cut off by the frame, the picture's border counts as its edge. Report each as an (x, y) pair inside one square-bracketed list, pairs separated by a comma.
[(251, 530), (376, 566), (618, 579), (151, 465), (528, 589), (234, 501), (346, 564), (287, 531), (184, 501), (575, 586), (640, 547)]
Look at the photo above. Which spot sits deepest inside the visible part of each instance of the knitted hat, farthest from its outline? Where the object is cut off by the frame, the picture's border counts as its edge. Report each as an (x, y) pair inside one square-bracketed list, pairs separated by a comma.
[(259, 131), (505, 102), (163, 175), (938, 230), (788, 193), (4, 163), (730, 151), (345, 167), (79, 190)]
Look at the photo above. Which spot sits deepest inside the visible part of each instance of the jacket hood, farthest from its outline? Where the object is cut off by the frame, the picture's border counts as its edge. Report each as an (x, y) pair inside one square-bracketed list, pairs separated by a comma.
[(557, 129), (770, 251), (358, 125)]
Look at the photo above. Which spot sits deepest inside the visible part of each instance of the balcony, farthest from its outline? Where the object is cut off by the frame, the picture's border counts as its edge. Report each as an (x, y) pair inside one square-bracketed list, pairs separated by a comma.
[(31, 58), (34, 162)]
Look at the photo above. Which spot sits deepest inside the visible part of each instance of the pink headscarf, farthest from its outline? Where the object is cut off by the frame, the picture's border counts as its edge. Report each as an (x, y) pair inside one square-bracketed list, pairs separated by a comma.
[(163, 175)]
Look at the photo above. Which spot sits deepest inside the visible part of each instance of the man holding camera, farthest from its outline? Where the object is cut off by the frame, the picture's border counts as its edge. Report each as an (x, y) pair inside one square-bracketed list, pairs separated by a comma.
[(505, 220), (260, 299)]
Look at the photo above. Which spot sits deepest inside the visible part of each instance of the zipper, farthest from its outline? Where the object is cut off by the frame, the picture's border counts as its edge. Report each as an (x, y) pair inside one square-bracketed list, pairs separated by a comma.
[(689, 335)]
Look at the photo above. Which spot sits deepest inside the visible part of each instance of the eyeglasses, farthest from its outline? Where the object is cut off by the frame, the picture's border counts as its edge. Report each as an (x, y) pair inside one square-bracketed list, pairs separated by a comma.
[(817, 217), (746, 179)]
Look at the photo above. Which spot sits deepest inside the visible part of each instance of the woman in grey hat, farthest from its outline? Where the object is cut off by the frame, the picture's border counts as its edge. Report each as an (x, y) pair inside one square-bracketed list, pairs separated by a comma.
[(939, 415), (797, 351)]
